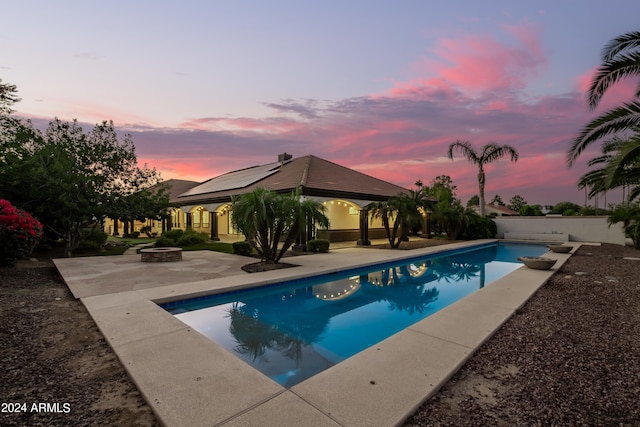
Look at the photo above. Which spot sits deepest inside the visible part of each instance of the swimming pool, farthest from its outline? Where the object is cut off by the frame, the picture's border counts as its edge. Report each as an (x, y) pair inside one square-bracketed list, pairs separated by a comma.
[(293, 330)]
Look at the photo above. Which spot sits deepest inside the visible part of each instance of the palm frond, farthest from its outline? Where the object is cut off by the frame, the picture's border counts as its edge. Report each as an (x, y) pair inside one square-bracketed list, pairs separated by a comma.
[(618, 119), (466, 149), (600, 159), (630, 40), (611, 72), (492, 152)]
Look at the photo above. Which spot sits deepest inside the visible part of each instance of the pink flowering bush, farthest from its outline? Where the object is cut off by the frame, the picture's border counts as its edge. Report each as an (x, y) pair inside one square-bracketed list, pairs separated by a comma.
[(19, 233)]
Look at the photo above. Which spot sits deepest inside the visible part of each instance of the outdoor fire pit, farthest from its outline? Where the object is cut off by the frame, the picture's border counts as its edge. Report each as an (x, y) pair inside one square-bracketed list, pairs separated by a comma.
[(161, 254), (537, 262)]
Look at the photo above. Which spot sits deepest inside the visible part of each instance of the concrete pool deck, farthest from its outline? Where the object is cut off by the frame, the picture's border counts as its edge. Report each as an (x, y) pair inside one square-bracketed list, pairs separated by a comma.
[(189, 380)]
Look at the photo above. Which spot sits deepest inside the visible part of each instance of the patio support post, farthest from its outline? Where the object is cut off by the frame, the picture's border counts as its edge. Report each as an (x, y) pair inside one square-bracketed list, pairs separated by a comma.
[(426, 226), (309, 229), (189, 220), (115, 228), (364, 229), (214, 225)]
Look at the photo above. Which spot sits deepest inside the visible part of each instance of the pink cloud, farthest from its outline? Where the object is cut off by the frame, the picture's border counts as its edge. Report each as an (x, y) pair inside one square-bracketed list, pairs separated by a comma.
[(270, 125), (476, 64)]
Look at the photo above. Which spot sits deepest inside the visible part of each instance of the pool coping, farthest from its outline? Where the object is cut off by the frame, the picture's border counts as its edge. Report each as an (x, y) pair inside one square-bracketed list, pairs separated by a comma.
[(189, 380)]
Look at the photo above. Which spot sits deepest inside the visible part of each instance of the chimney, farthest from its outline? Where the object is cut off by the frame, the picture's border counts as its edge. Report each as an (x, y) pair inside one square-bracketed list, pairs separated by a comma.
[(284, 157)]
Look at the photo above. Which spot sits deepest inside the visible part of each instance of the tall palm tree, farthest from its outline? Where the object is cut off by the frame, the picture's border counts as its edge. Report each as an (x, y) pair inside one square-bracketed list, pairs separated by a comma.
[(620, 59), (489, 153)]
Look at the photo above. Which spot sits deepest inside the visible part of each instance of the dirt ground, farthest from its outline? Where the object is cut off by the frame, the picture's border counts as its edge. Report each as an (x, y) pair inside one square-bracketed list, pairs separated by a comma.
[(53, 353), (570, 356)]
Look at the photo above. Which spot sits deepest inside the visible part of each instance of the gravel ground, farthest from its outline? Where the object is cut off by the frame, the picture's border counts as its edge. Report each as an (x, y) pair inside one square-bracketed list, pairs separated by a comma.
[(570, 356), (53, 353)]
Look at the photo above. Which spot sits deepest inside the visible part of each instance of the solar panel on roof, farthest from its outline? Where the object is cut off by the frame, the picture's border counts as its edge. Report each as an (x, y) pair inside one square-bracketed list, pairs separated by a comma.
[(233, 180)]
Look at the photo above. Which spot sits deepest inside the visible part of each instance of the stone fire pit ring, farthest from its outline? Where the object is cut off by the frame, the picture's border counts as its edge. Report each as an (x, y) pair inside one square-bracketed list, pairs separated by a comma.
[(168, 254), (537, 262)]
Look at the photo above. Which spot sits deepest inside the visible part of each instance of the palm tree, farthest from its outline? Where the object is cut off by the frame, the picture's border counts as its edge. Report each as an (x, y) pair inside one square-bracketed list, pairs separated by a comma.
[(621, 169), (489, 153), (266, 218), (400, 213), (620, 59)]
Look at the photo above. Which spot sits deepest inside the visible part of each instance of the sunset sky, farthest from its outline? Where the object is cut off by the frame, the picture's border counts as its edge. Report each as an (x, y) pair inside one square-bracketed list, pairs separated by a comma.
[(206, 87)]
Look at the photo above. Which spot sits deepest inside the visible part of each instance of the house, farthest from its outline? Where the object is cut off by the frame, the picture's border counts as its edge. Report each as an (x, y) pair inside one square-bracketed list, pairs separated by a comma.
[(176, 187), (206, 207), (496, 209)]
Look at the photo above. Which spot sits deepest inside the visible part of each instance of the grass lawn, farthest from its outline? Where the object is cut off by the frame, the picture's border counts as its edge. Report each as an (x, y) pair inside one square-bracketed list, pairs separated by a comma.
[(211, 246), (131, 240)]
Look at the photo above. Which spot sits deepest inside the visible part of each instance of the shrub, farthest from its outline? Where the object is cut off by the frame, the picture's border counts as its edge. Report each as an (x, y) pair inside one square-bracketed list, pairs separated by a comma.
[(318, 245), (479, 227), (629, 215), (173, 234), (241, 248), (164, 242), (181, 238), (19, 233), (190, 237), (93, 238)]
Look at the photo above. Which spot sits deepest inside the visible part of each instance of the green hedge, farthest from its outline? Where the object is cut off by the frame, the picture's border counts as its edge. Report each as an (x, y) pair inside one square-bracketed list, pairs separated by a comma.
[(181, 238), (241, 248), (318, 245)]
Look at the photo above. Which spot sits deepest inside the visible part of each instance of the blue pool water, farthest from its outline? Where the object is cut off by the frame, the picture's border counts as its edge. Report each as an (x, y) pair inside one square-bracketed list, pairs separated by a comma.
[(294, 330)]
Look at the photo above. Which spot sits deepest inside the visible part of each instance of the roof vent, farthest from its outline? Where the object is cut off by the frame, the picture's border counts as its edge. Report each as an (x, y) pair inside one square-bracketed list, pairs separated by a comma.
[(284, 157)]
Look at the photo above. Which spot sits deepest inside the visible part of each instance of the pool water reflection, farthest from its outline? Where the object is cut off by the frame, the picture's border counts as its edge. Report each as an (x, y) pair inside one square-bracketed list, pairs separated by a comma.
[(293, 331)]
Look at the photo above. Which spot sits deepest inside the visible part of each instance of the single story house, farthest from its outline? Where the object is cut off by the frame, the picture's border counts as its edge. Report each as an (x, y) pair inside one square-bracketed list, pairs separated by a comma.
[(206, 206)]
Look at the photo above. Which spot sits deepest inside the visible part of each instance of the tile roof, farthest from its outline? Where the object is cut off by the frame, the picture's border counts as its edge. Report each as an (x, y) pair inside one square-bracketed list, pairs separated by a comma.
[(179, 186), (489, 207), (315, 176)]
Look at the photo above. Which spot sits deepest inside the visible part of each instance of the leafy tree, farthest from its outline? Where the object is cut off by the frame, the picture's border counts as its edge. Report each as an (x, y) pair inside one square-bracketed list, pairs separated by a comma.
[(8, 97), (516, 203), (620, 59), (488, 154), (497, 200), (530, 210), (267, 218), (566, 209), (67, 178), (448, 212), (473, 201)]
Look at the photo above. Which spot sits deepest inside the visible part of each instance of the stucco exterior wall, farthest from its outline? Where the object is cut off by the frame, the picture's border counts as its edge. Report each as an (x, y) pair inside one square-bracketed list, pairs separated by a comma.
[(579, 228), (340, 216)]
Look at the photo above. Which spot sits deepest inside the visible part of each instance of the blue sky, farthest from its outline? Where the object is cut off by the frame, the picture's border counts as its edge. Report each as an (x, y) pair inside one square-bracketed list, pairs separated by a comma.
[(382, 87)]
